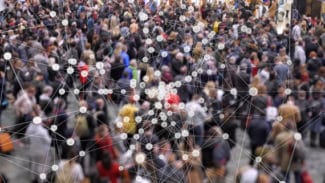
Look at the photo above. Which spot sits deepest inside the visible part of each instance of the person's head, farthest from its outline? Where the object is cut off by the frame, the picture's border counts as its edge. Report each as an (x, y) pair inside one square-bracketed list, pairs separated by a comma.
[(102, 130), (215, 132)]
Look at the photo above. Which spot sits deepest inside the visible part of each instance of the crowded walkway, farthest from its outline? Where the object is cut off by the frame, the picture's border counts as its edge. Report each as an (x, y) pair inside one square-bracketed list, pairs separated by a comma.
[(178, 91)]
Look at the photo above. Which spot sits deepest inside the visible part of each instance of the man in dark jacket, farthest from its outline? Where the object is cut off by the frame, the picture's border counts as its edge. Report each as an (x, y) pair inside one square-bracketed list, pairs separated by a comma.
[(258, 131), (215, 155)]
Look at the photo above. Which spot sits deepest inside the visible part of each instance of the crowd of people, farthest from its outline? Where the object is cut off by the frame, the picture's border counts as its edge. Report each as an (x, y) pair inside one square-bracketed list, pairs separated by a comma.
[(161, 90)]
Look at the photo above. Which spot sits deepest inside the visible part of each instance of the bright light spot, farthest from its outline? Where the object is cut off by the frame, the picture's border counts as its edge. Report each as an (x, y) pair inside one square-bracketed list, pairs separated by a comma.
[(83, 109), (233, 91), (99, 65), (76, 91), (55, 168), (72, 61), (258, 159), (253, 91), (55, 67), (65, 22), (62, 91), (225, 136), (149, 146), (84, 73), (195, 153), (185, 157), (297, 136), (37, 120), (185, 133), (140, 158), (53, 14), (82, 153), (70, 142), (70, 70), (42, 176), (287, 91), (7, 56), (54, 128), (124, 136)]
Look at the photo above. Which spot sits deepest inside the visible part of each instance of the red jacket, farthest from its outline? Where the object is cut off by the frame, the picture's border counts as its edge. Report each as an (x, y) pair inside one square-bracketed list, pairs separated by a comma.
[(113, 173)]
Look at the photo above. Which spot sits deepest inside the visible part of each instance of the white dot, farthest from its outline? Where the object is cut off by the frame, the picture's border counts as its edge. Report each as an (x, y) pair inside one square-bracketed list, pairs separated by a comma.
[(164, 124), (148, 41), (145, 30), (143, 16), (70, 142), (7, 56), (289, 62), (102, 71), (61, 91), (195, 153), (151, 112), (207, 57), (82, 153), (140, 158), (42, 176), (149, 146), (121, 168), (158, 105), (222, 66), (287, 91), (136, 136), (253, 91), (138, 178), (188, 79), (194, 74), (282, 182), (72, 61), (243, 28), (126, 119), (132, 147), (37, 120), (161, 13), (187, 49), (190, 9), (249, 31), (70, 70), (221, 46), (154, 121), (76, 91), (65, 22), (173, 123), (141, 131), (54, 128), (182, 18), (164, 54), (196, 29), (211, 34), (177, 135), (225, 136), (185, 157), (185, 133), (221, 116), (164, 117), (205, 41), (53, 14), (131, 1), (233, 91), (84, 73), (124, 136), (110, 91), (297, 136), (138, 119), (145, 59), (123, 91), (160, 38), (92, 56), (119, 124), (201, 100), (279, 118), (99, 65), (178, 84), (100, 91), (258, 159), (151, 49), (83, 109), (169, 113), (55, 67), (183, 6), (55, 168)]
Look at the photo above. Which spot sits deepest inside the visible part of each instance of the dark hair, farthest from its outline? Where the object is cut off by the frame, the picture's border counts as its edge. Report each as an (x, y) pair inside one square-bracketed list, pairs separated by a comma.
[(106, 160)]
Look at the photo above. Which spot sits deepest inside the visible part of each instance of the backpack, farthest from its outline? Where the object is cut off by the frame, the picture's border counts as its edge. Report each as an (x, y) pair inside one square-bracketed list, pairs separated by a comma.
[(81, 126)]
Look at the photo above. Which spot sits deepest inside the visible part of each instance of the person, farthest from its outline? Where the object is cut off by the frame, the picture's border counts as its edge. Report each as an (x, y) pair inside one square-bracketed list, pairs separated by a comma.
[(69, 170), (108, 168), (290, 153), (39, 144), (215, 155), (105, 142), (196, 119)]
